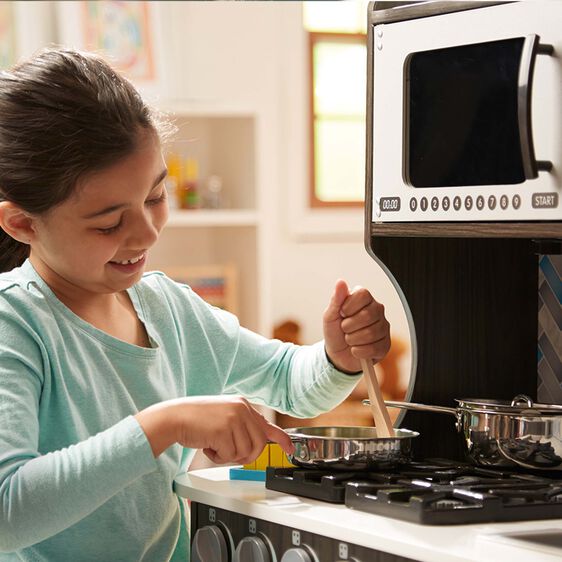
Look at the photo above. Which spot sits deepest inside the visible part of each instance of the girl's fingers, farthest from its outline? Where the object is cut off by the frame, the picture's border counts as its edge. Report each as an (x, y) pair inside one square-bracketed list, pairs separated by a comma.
[(243, 444), (369, 335), (211, 454), (356, 301), (277, 435), (234, 432), (366, 316), (375, 351), (255, 444)]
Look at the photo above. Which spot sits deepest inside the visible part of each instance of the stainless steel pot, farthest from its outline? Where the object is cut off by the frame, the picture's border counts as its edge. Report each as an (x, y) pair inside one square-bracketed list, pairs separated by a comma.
[(349, 448), (499, 433)]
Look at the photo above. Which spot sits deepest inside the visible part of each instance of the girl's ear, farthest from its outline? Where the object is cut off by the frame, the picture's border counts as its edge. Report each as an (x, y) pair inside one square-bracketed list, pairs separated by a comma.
[(16, 222)]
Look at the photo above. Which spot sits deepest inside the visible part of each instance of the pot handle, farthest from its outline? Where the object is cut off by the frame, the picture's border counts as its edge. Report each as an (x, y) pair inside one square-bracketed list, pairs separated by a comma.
[(521, 399), (420, 407)]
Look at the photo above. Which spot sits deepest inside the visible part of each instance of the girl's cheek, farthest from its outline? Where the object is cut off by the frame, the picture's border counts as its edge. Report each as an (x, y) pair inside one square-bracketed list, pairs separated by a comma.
[(105, 246), (160, 217)]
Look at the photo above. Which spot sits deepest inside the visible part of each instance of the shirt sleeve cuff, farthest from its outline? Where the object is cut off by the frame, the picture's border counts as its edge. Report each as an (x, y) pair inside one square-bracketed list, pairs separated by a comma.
[(348, 373)]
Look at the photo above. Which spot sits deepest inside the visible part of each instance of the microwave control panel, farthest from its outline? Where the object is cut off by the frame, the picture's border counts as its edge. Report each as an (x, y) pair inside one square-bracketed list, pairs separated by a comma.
[(456, 207)]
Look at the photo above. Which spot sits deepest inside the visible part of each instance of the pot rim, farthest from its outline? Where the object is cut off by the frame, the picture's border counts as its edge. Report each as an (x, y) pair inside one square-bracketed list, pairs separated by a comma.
[(315, 432), (520, 405)]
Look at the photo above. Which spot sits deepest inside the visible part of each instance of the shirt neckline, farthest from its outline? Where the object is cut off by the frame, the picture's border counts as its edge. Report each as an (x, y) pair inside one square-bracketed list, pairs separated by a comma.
[(91, 330)]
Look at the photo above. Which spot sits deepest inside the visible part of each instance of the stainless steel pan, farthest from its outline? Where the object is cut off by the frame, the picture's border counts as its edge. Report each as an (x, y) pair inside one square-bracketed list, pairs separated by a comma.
[(497, 433), (349, 448)]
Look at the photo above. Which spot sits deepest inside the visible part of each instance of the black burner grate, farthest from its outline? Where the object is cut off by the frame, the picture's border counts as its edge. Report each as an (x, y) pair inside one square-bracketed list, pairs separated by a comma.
[(434, 492), (316, 484)]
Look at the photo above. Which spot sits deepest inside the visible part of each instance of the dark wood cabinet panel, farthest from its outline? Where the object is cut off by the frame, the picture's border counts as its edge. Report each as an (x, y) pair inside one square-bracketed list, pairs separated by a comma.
[(474, 306)]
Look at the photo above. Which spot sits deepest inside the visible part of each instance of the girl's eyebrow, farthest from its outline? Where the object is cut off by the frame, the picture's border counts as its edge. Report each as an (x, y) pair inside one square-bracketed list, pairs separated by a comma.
[(113, 208)]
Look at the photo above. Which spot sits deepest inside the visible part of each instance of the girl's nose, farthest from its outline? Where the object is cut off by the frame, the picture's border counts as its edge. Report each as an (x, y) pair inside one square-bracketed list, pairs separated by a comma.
[(144, 232)]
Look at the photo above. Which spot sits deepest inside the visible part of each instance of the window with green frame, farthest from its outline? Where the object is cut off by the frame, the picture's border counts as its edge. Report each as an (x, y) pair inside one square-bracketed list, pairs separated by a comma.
[(337, 102)]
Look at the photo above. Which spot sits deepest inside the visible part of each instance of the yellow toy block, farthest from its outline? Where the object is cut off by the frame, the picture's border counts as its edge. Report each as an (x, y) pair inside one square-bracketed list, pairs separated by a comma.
[(263, 460), (276, 455), (272, 455)]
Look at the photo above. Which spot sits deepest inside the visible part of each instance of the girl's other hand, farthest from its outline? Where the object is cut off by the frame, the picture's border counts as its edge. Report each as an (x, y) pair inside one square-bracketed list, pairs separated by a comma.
[(355, 328), (227, 428)]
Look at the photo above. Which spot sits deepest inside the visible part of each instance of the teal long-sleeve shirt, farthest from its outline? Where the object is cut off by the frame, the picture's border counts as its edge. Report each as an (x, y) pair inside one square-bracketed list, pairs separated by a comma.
[(78, 480)]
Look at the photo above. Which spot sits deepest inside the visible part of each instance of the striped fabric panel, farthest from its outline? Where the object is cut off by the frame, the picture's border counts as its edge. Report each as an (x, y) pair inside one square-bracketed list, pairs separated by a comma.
[(549, 348)]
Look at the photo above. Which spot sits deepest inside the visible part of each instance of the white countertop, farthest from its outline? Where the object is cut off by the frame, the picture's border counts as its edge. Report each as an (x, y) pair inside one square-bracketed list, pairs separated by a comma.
[(537, 541)]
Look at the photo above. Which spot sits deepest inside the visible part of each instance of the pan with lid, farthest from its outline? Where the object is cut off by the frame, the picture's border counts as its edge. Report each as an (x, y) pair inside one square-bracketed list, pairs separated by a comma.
[(497, 433)]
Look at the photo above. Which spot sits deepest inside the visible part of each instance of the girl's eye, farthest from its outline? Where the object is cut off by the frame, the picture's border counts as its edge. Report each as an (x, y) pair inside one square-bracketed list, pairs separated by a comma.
[(111, 229), (160, 199)]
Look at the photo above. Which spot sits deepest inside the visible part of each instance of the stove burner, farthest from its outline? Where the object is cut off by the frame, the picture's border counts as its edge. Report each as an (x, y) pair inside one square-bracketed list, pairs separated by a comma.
[(432, 492), (316, 484)]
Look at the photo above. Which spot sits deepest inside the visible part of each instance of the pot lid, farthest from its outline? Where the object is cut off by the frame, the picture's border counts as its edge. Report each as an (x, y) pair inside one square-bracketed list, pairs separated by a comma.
[(521, 404)]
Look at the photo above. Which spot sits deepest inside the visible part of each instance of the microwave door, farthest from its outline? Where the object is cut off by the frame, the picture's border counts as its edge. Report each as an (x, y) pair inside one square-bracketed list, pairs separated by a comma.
[(462, 121), (469, 114)]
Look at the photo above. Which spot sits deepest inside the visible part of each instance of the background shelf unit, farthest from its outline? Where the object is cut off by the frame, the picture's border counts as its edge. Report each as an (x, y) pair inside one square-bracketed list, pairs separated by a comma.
[(222, 140)]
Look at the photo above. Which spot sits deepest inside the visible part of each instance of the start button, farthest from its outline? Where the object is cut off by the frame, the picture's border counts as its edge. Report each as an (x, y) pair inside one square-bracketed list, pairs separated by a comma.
[(545, 200)]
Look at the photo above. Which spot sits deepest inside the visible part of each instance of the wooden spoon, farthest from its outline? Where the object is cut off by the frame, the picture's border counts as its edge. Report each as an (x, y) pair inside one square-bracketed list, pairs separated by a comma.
[(378, 407)]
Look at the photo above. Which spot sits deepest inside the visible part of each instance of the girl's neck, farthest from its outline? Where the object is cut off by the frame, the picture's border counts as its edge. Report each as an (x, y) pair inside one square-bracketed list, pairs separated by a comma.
[(112, 312)]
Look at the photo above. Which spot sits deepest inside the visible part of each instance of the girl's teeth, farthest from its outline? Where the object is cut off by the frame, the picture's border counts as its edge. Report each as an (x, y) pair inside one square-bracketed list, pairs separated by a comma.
[(130, 262)]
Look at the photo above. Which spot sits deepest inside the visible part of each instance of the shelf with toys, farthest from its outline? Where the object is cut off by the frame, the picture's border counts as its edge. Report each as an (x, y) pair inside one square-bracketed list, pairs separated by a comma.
[(211, 160), (215, 224)]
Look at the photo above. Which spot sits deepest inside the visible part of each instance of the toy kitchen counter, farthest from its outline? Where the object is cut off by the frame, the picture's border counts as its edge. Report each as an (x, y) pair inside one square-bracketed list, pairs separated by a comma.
[(245, 521)]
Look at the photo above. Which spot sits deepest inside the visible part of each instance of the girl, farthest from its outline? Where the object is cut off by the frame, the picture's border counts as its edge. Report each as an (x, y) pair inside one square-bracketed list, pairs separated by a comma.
[(110, 377)]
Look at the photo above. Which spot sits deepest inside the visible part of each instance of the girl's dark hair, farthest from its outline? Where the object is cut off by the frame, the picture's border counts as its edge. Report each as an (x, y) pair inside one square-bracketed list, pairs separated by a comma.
[(63, 114)]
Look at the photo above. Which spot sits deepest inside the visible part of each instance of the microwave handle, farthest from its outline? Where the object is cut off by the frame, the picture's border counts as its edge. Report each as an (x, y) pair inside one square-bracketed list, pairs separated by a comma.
[(531, 48)]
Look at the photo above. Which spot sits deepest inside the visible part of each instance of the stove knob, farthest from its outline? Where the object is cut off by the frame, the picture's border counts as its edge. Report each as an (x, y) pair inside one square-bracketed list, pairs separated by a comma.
[(252, 549), (298, 555), (209, 545)]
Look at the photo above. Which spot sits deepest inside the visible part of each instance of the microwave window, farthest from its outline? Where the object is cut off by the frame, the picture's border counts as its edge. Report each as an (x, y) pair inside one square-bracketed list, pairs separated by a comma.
[(462, 126)]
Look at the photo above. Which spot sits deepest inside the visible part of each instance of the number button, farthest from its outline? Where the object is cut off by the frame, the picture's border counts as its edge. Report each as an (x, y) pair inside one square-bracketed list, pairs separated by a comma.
[(492, 202), (468, 203), (480, 202), (504, 202), (413, 204), (434, 203), (423, 204), (446, 203), (516, 201), (457, 203)]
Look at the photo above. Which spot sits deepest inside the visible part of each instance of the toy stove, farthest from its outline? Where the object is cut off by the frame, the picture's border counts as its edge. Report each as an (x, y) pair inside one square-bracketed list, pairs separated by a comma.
[(435, 492)]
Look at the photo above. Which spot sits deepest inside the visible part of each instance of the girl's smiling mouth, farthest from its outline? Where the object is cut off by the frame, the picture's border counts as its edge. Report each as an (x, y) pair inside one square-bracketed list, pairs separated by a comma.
[(131, 265)]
